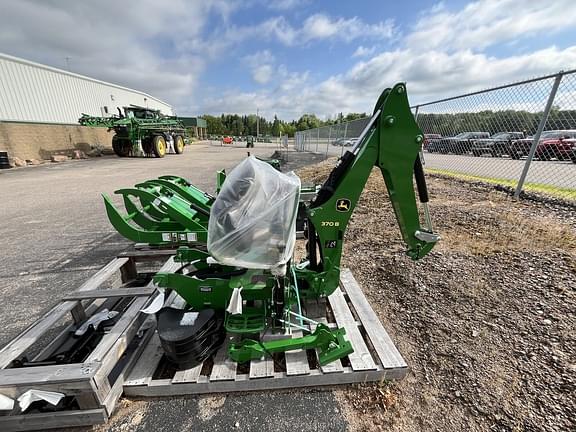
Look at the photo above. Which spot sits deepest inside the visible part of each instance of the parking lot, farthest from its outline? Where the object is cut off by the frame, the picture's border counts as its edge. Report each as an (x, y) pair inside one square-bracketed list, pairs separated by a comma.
[(56, 234), (558, 173), (561, 174)]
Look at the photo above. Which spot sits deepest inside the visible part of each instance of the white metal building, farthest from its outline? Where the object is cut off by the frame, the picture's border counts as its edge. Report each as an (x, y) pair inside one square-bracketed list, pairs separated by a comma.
[(32, 92)]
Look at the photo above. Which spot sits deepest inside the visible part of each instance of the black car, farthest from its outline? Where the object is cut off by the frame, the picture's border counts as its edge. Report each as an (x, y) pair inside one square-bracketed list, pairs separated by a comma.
[(497, 145), (459, 144)]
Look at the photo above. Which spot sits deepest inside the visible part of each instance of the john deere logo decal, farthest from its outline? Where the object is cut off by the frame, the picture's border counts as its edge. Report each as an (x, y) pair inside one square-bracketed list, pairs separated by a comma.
[(343, 205)]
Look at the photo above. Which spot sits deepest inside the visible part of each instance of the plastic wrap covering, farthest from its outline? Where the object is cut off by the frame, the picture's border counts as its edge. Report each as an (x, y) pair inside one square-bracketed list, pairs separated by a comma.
[(252, 221)]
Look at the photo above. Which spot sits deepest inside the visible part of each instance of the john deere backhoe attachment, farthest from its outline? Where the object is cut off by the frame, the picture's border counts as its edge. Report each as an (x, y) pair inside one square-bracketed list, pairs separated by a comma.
[(248, 273)]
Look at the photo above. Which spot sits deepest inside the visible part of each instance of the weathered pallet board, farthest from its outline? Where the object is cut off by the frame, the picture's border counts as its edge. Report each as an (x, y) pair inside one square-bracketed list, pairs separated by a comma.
[(97, 382), (375, 358)]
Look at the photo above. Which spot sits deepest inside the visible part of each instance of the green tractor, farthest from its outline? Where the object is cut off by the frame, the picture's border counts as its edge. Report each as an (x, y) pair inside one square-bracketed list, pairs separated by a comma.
[(140, 131)]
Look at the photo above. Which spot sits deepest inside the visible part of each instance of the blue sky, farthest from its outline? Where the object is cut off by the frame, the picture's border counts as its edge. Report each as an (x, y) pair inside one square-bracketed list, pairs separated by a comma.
[(289, 57)]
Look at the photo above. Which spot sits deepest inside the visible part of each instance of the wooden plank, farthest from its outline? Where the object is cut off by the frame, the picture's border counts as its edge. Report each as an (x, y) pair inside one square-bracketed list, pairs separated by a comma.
[(147, 363), (224, 367), (315, 309), (127, 319), (47, 374), (103, 274), (128, 271), (108, 293), (78, 313), (118, 331), (243, 383), (383, 344), (296, 360), (27, 338), (53, 420), (188, 375), (118, 387), (115, 354), (148, 254), (360, 359), (262, 368)]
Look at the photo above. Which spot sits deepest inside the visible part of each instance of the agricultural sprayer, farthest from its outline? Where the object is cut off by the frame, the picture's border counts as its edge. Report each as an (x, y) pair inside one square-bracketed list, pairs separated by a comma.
[(239, 273), (141, 131)]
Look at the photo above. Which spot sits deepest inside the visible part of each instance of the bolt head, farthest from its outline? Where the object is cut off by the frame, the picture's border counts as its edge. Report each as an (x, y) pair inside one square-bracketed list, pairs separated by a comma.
[(419, 139), (400, 89)]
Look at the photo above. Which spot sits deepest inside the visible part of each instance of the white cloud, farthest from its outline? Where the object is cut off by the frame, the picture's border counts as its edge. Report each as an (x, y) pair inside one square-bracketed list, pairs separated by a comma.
[(261, 65), (262, 74), (260, 57), (321, 26), (316, 27), (285, 4), (362, 51), (481, 24)]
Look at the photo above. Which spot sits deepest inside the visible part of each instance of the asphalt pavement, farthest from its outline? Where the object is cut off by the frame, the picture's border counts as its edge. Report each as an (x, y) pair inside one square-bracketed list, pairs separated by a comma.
[(55, 235), (561, 174)]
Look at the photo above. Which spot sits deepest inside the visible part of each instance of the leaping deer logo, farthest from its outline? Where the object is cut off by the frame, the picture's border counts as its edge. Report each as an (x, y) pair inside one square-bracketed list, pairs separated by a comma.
[(343, 205)]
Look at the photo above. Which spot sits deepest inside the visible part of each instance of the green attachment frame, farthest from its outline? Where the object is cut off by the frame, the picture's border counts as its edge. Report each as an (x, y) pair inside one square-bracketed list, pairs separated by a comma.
[(391, 142), (331, 344), (136, 234), (251, 320), (220, 177), (165, 219)]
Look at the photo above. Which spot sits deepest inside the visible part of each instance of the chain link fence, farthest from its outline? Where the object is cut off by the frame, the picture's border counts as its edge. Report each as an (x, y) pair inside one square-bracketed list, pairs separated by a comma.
[(521, 135)]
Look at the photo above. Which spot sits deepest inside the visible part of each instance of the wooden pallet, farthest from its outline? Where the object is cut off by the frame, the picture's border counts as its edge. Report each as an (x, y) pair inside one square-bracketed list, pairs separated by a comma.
[(96, 383), (375, 357)]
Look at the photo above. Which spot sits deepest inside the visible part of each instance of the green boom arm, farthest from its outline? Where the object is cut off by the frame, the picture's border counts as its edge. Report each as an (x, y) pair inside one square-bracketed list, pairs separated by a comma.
[(391, 142)]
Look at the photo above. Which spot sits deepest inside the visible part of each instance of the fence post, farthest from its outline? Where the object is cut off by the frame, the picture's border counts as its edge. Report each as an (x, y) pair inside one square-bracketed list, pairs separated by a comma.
[(328, 144), (541, 126), (345, 134), (421, 153)]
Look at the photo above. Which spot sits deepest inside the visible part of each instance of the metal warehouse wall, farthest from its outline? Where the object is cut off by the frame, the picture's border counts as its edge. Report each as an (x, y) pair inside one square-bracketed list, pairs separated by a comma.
[(31, 92)]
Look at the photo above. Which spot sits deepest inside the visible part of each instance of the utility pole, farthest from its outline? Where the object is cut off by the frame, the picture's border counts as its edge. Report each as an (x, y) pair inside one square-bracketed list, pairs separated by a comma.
[(67, 63), (257, 123)]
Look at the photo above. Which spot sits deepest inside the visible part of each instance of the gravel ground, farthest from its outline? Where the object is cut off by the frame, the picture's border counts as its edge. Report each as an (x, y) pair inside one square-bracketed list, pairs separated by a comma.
[(486, 322)]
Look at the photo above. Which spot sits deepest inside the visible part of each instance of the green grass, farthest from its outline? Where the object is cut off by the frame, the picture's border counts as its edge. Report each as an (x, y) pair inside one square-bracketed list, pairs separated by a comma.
[(565, 193)]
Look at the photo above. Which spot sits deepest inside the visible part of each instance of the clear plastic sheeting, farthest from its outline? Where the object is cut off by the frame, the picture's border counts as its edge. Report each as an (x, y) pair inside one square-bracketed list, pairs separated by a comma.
[(252, 221)]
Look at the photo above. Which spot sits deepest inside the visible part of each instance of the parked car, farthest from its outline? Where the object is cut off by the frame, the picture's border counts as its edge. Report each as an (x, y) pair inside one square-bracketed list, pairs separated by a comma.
[(338, 141), (345, 142), (553, 144), (573, 152), (459, 144), (428, 138), (497, 145), (227, 140), (351, 142)]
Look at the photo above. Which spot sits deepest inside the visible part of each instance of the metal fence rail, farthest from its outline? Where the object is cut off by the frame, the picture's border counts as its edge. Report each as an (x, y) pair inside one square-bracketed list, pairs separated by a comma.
[(521, 135)]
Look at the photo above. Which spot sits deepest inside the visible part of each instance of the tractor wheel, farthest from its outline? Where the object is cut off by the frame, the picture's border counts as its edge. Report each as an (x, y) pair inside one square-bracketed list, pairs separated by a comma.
[(178, 144), (119, 146), (159, 146)]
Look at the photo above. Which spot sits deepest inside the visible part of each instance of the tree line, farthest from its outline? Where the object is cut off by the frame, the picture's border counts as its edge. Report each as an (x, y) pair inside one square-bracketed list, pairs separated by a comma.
[(237, 125)]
